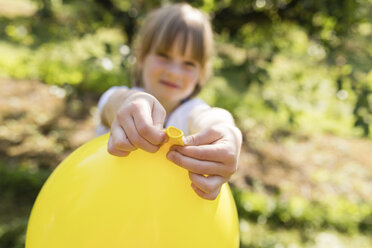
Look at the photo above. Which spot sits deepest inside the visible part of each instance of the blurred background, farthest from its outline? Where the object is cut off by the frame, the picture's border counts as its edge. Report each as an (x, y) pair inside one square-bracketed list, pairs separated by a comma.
[(296, 74)]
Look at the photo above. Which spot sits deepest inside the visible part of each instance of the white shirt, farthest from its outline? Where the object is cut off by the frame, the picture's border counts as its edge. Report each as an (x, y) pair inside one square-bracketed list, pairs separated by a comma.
[(179, 118)]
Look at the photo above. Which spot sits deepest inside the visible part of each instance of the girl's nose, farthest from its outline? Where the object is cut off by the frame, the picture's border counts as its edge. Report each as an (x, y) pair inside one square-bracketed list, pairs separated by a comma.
[(174, 69)]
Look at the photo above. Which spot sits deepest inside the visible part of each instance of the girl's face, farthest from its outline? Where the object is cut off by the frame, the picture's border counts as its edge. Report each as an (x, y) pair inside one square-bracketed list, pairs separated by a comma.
[(171, 76)]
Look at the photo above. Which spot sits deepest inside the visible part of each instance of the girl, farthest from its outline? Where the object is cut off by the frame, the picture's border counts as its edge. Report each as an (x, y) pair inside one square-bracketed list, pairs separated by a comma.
[(173, 63)]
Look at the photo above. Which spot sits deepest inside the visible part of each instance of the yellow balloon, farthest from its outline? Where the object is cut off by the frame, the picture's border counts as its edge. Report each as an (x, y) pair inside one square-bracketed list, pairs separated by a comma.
[(94, 199)]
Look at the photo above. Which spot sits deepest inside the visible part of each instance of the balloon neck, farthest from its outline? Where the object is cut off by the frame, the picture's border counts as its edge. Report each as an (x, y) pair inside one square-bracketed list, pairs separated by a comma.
[(174, 136)]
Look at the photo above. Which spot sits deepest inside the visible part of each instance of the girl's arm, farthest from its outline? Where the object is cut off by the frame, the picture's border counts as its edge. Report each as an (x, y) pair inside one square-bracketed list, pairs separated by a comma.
[(211, 153), (203, 118)]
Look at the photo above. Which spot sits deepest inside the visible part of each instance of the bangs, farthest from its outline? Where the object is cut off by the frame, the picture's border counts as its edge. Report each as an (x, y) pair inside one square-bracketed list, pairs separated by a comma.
[(191, 35)]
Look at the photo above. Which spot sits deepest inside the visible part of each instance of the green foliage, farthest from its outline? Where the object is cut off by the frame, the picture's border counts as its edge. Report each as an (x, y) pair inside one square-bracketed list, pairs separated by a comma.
[(297, 212), (20, 183), (19, 186), (278, 221), (13, 234), (86, 62)]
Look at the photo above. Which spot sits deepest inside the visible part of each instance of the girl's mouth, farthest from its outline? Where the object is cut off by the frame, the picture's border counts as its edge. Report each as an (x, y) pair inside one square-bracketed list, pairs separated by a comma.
[(169, 84)]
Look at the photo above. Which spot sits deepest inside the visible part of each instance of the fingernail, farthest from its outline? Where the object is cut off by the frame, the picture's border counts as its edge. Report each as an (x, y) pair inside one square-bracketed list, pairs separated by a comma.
[(193, 186), (169, 155)]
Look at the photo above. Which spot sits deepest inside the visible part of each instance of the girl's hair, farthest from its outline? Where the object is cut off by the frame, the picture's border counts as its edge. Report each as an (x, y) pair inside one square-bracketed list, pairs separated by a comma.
[(160, 30)]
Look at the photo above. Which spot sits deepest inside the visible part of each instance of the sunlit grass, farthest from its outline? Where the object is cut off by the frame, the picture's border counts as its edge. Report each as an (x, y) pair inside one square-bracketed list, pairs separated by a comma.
[(16, 8), (255, 235)]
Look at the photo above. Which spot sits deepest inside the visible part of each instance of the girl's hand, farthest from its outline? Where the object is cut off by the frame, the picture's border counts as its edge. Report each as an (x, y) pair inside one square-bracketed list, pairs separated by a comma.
[(210, 156), (137, 124)]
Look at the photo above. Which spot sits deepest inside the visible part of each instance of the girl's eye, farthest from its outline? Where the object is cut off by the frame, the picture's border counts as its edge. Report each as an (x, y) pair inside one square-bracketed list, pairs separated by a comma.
[(190, 64), (163, 55)]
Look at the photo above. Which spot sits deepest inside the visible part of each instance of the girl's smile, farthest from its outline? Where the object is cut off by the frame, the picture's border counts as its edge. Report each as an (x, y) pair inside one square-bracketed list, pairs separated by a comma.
[(169, 84)]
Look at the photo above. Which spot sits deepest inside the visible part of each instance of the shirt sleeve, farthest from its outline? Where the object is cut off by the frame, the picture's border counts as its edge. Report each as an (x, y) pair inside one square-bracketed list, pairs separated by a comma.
[(180, 117), (100, 128)]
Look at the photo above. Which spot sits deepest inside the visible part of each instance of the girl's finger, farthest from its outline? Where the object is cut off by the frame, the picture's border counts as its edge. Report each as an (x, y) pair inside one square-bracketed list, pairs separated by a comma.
[(207, 136), (158, 115), (143, 119), (207, 196), (113, 151), (199, 166), (134, 137), (207, 184), (119, 140), (212, 152)]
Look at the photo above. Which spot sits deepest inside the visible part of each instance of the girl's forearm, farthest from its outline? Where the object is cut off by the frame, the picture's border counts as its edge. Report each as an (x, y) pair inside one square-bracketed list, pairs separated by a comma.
[(204, 118), (207, 118)]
